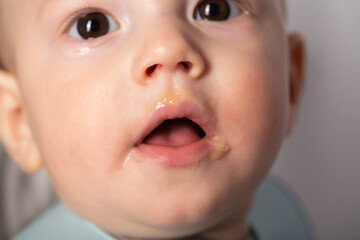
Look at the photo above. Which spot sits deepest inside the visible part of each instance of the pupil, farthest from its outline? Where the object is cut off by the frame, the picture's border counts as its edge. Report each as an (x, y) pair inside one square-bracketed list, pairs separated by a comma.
[(212, 10), (93, 25)]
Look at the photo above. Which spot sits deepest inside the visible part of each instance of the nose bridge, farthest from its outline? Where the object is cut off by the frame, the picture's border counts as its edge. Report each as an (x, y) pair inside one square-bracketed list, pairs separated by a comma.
[(166, 50), (170, 46)]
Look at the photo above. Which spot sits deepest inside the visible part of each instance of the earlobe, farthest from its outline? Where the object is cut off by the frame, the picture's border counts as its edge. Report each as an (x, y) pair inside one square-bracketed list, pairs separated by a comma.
[(15, 132), (296, 76)]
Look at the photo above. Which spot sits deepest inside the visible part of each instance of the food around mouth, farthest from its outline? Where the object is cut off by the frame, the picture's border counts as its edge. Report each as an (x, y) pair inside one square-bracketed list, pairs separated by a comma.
[(180, 135)]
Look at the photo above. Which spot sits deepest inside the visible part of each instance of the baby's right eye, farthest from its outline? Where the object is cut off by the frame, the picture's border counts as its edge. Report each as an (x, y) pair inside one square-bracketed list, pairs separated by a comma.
[(93, 25)]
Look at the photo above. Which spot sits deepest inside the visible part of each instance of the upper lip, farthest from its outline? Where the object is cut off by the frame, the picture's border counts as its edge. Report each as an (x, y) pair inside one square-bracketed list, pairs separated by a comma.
[(184, 109)]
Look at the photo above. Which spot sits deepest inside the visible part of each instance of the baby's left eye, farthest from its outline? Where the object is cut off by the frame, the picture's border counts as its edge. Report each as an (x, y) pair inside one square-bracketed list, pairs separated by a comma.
[(93, 25), (217, 10)]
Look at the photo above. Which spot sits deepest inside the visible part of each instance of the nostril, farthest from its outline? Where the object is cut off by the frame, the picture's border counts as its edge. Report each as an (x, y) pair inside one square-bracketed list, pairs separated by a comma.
[(186, 65), (150, 70)]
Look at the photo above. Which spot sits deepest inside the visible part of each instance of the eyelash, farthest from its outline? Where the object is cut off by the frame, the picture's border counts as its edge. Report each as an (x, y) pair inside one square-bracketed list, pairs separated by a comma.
[(77, 14), (74, 16)]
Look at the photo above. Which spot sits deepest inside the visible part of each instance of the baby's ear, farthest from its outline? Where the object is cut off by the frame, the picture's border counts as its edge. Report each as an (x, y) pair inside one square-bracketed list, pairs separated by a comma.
[(296, 76), (15, 132)]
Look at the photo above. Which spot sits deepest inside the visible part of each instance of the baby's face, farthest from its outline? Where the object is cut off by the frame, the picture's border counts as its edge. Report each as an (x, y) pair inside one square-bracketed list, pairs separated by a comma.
[(98, 77)]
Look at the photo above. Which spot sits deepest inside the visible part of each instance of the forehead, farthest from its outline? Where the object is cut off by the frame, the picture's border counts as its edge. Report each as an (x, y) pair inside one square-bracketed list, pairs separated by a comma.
[(43, 4)]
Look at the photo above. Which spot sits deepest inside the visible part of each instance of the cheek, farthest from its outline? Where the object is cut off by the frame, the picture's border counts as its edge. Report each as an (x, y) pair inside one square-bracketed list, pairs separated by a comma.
[(252, 104), (79, 122), (254, 100), (85, 117), (255, 112)]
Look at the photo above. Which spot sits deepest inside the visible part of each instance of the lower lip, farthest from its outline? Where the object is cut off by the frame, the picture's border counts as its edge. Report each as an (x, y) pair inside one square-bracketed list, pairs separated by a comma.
[(176, 156)]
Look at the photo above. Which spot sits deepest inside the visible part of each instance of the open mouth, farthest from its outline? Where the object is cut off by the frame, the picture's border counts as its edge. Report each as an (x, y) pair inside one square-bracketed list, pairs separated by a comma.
[(175, 133)]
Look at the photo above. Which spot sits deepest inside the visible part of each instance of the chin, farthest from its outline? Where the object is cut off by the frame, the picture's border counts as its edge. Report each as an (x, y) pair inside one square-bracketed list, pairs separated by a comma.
[(188, 211)]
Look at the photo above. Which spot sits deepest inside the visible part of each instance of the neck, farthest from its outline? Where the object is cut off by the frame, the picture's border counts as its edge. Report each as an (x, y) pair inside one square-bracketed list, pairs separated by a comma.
[(236, 227)]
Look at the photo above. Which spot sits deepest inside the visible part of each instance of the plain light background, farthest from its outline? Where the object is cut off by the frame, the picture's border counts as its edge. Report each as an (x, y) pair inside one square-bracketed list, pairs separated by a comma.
[(321, 160)]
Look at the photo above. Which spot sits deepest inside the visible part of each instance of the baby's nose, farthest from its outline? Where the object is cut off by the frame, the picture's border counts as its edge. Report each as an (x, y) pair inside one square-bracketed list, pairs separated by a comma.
[(168, 51)]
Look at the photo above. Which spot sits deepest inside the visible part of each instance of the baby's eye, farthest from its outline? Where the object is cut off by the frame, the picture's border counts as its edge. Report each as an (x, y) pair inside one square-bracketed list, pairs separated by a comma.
[(93, 25), (217, 10)]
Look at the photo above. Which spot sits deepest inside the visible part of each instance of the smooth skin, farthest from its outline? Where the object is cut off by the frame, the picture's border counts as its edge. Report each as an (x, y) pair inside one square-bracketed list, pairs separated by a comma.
[(76, 106)]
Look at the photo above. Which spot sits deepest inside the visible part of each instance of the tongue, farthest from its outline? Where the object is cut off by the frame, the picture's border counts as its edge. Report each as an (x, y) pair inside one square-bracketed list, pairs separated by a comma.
[(175, 133)]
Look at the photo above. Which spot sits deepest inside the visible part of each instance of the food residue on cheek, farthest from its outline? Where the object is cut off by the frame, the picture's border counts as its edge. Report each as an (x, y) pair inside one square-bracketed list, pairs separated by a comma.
[(219, 150)]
